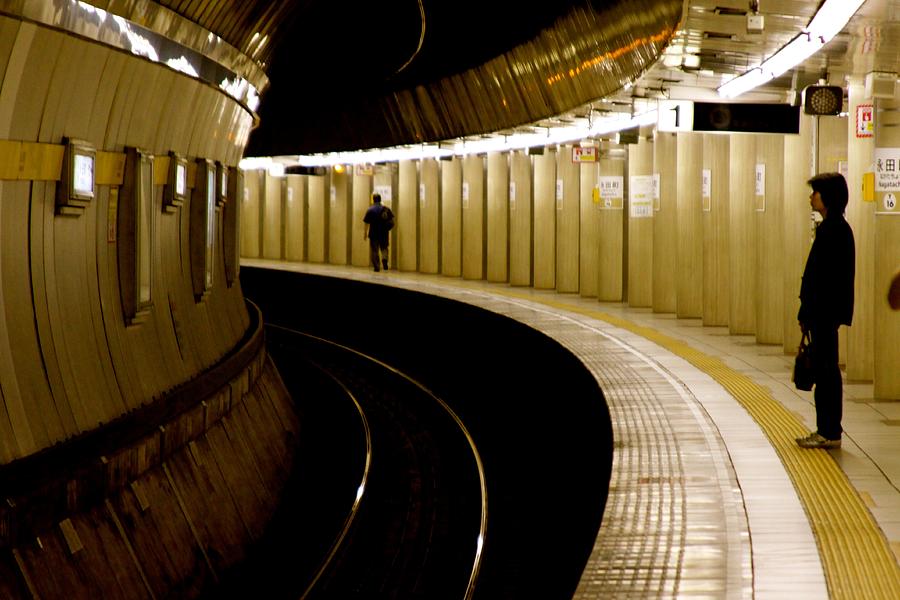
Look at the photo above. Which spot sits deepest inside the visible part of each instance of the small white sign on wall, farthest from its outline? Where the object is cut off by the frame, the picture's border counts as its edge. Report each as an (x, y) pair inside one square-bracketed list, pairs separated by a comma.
[(706, 190), (640, 196), (760, 198), (610, 191), (760, 179), (559, 194), (290, 195), (512, 195), (385, 192), (333, 196), (422, 194)]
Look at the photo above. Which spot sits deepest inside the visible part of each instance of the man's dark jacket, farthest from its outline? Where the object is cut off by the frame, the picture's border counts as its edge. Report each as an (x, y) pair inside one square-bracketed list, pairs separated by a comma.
[(826, 293)]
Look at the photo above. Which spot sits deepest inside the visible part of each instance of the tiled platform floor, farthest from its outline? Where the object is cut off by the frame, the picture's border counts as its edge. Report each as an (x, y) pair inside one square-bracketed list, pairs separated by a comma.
[(701, 504)]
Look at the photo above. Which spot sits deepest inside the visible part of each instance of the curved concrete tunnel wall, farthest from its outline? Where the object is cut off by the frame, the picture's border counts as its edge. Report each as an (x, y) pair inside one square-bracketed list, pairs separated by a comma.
[(171, 510)]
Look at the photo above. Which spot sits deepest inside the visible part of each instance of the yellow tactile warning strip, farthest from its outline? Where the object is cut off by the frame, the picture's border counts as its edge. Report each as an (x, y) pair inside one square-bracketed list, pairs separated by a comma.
[(857, 560)]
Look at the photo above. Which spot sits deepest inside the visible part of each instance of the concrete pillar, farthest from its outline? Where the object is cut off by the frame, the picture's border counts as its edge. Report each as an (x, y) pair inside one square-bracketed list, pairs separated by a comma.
[(715, 205), (665, 222), (568, 179), (295, 218), (385, 182), (860, 364), (611, 226), (360, 201), (406, 215), (887, 247), (272, 213), (317, 247), (545, 219), (640, 223), (742, 235), (473, 209), (339, 217), (429, 216), (589, 228), (520, 218), (769, 199), (497, 216), (250, 214), (451, 217), (689, 256)]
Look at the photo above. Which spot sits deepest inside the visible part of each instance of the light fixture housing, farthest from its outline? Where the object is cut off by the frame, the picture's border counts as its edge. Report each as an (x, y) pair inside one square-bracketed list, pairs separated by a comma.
[(823, 100)]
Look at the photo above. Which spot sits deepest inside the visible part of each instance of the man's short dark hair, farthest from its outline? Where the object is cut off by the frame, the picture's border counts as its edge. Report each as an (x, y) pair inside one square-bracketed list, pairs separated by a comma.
[(376, 197), (832, 187)]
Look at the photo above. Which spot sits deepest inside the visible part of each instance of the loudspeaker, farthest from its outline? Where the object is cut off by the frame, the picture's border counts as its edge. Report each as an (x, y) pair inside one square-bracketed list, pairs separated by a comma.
[(880, 84), (823, 99)]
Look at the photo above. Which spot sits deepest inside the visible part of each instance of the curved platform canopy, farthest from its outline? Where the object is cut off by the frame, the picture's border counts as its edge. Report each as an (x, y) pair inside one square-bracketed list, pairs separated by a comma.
[(359, 75)]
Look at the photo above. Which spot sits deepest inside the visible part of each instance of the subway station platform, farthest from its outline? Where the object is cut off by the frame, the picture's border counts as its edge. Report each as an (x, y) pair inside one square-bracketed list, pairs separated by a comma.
[(710, 497)]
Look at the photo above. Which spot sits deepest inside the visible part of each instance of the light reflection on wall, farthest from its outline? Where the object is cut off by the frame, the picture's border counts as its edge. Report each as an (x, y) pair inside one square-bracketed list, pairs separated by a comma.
[(118, 31)]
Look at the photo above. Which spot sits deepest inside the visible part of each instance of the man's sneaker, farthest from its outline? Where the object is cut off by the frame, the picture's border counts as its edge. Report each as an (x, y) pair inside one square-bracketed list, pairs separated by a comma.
[(814, 440), (384, 263)]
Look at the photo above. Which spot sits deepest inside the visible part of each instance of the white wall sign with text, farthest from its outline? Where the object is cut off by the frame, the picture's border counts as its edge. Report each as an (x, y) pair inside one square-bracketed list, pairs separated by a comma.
[(706, 190), (640, 196), (385, 192), (887, 169)]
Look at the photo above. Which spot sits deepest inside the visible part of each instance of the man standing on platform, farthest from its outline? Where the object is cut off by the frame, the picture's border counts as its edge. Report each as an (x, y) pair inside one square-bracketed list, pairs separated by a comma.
[(379, 221), (826, 303)]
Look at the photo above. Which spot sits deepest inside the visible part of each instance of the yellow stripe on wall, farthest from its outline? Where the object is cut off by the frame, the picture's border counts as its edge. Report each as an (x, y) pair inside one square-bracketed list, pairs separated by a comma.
[(30, 161)]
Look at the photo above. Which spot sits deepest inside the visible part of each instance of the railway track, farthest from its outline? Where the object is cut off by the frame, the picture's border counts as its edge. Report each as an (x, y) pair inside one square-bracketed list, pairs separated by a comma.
[(415, 526)]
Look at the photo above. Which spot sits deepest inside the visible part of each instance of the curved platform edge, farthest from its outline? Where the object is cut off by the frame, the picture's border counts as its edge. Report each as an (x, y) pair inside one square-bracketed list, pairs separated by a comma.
[(809, 530)]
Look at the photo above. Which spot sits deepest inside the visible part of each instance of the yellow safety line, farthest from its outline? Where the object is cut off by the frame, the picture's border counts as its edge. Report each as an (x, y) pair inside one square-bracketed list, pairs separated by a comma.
[(856, 556)]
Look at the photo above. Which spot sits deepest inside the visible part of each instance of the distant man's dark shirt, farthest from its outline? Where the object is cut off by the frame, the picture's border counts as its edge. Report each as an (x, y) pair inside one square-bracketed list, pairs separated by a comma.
[(377, 230)]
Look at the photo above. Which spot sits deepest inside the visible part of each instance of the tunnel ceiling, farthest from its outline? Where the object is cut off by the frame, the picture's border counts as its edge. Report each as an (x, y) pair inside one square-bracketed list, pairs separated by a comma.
[(384, 74), (368, 74), (365, 74)]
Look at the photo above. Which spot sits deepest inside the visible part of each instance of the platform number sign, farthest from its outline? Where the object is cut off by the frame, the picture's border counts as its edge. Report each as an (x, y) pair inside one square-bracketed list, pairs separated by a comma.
[(675, 115)]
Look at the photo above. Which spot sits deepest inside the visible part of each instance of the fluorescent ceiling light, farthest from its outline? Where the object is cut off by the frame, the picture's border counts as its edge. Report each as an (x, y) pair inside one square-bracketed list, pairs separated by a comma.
[(498, 143), (828, 21)]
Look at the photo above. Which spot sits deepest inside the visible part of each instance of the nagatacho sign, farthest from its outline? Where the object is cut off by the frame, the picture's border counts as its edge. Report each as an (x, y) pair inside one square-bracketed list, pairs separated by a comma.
[(887, 169)]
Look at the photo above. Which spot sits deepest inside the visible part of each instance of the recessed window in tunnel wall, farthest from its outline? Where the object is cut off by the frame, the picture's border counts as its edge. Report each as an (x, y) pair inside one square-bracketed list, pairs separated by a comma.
[(135, 236), (203, 228)]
